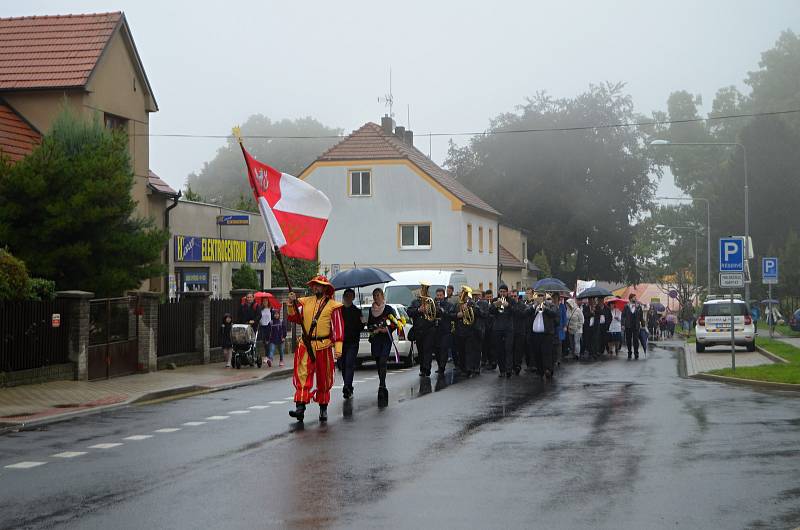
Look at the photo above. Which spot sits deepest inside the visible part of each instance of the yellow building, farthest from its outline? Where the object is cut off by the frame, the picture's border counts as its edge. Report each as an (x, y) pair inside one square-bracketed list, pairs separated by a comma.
[(90, 63)]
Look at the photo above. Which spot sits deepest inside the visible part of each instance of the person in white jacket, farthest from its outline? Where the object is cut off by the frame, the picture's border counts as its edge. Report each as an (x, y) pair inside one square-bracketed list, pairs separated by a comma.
[(574, 326)]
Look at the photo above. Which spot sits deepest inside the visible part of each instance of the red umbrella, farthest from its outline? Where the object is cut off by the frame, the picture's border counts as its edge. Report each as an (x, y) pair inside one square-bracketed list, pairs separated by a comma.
[(274, 303), (619, 303)]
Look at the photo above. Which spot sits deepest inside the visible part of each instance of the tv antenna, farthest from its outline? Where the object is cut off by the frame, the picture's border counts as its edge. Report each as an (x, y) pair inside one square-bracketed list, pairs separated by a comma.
[(388, 99)]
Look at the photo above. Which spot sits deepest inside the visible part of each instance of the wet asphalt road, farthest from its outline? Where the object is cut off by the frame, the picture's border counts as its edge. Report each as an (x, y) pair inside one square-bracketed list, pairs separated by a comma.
[(613, 444)]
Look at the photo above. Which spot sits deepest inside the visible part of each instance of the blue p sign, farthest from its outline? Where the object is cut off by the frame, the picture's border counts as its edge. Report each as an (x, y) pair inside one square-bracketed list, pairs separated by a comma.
[(769, 268), (731, 254)]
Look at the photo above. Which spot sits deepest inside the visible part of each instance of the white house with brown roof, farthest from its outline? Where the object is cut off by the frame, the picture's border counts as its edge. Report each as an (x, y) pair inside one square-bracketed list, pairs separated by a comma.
[(395, 209)]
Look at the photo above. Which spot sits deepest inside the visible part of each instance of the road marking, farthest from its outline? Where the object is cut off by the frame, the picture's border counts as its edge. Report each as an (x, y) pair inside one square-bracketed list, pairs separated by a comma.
[(290, 397), (218, 417), (239, 412), (337, 387), (370, 378), (137, 437), (104, 446), (358, 381), (194, 423), (68, 454), (25, 465), (259, 407), (277, 402), (168, 429)]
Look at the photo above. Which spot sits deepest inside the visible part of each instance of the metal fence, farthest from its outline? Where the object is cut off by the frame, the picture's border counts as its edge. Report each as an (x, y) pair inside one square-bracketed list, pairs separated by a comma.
[(28, 339), (218, 309), (175, 327)]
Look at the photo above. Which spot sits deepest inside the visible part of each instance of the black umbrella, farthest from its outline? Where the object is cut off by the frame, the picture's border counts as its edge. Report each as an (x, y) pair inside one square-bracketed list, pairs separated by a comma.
[(595, 292), (551, 285), (352, 278)]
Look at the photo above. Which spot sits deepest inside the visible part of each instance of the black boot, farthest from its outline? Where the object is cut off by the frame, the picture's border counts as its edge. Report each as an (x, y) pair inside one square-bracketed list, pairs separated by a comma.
[(323, 413), (383, 395), (299, 412)]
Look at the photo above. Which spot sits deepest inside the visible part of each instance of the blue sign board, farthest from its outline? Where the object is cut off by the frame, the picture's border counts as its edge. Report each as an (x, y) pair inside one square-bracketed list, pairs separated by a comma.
[(233, 219), (731, 254), (769, 269), (211, 249)]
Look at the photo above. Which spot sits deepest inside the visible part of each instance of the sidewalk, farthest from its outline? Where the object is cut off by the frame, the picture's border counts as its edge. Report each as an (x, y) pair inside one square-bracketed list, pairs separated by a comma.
[(30, 404), (719, 359)]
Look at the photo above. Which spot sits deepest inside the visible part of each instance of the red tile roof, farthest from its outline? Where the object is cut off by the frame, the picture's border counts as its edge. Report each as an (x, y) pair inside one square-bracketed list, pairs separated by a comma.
[(52, 51), (17, 137), (158, 185), (508, 260), (371, 142)]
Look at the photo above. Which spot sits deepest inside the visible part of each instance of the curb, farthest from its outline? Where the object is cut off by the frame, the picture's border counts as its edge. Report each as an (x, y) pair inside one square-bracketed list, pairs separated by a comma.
[(747, 382), (771, 356), (174, 393)]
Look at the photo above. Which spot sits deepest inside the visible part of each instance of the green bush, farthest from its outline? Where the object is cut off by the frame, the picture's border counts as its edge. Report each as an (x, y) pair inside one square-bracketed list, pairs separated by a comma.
[(13, 277), (41, 289), (245, 278)]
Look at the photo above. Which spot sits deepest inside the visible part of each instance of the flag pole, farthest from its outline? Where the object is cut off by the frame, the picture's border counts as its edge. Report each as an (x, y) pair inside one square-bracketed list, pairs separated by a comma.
[(237, 133)]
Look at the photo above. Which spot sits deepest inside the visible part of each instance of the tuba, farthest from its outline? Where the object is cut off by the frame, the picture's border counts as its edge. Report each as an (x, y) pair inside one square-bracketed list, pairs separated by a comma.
[(427, 306), (469, 313)]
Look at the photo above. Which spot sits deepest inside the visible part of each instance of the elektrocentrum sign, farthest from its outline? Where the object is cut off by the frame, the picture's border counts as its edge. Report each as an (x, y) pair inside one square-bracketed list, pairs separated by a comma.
[(210, 249)]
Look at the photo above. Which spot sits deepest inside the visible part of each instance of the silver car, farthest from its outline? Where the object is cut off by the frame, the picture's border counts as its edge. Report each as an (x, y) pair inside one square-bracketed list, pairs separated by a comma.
[(404, 348)]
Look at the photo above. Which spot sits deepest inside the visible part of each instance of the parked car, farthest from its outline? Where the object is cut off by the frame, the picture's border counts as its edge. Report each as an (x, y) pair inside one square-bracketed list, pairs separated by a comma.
[(794, 321), (713, 326), (405, 348)]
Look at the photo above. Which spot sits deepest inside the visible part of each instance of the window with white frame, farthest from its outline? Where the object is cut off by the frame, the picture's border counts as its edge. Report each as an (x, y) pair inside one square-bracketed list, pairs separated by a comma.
[(415, 236), (360, 183)]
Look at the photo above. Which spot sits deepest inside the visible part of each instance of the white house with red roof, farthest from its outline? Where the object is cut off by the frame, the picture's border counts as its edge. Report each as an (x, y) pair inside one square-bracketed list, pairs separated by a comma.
[(394, 208)]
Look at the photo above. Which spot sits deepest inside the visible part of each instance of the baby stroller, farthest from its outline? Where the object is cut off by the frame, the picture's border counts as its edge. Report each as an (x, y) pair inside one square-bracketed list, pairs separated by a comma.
[(245, 346)]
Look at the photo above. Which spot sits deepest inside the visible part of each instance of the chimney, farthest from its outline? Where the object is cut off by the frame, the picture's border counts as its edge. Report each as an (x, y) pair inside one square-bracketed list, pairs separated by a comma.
[(410, 138), (387, 124), (400, 132)]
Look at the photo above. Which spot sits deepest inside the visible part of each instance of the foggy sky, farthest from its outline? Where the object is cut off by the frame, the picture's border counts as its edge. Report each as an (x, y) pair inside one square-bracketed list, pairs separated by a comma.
[(457, 64)]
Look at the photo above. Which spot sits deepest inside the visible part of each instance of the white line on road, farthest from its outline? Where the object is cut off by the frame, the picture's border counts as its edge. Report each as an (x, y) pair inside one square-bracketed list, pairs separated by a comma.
[(104, 446), (137, 437), (69, 454), (358, 381), (239, 412), (289, 398), (259, 407), (168, 429), (277, 402), (25, 465), (370, 378), (337, 387), (218, 417), (194, 423)]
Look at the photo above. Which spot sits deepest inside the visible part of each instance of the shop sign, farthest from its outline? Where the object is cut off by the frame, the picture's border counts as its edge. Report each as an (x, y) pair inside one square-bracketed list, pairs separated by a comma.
[(210, 249)]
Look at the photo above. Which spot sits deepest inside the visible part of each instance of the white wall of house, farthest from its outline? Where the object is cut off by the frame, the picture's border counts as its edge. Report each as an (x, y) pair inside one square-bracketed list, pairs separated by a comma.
[(365, 229)]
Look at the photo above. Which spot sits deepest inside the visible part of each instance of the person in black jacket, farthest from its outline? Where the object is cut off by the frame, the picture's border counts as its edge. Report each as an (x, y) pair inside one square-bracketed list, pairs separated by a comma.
[(353, 324), (487, 355), (544, 328), (503, 331), (423, 331), (521, 336), (443, 325), (632, 320), (381, 323), (249, 312), (227, 342), (467, 336)]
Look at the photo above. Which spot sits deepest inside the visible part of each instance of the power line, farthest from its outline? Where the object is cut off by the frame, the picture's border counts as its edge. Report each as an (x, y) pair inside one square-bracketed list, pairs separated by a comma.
[(480, 133)]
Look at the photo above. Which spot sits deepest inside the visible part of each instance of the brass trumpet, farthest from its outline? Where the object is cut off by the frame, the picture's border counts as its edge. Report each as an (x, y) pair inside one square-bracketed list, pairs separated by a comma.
[(501, 304)]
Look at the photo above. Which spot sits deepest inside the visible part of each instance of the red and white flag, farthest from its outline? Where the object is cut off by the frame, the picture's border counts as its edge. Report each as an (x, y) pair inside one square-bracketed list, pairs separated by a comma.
[(294, 212)]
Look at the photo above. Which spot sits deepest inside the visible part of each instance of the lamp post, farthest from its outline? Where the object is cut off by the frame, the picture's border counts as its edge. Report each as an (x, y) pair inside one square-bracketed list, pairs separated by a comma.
[(708, 233), (666, 143)]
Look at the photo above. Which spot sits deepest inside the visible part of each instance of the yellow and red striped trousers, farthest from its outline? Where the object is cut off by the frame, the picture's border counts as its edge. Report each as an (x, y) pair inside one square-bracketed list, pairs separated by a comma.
[(304, 371)]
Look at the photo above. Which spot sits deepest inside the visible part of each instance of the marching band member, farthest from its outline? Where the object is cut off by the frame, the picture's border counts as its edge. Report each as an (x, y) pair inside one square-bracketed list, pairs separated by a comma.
[(469, 317), (487, 355), (443, 325), (503, 331), (544, 330), (423, 312)]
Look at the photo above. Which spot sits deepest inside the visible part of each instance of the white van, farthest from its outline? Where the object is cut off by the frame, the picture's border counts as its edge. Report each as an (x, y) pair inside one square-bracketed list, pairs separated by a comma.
[(403, 289)]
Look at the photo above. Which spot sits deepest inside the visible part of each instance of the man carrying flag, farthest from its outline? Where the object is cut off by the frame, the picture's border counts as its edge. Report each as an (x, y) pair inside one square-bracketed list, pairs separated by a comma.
[(295, 215)]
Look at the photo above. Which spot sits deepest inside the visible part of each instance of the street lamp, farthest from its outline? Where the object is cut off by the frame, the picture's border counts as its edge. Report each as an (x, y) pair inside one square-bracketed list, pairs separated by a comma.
[(667, 143), (708, 232)]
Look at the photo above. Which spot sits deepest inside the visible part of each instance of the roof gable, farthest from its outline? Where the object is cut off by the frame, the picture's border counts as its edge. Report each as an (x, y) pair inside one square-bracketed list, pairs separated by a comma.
[(17, 137), (371, 142), (507, 259), (60, 51)]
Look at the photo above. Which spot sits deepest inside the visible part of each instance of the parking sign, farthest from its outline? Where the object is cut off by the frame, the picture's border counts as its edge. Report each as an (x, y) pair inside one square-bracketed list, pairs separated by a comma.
[(769, 270), (731, 254)]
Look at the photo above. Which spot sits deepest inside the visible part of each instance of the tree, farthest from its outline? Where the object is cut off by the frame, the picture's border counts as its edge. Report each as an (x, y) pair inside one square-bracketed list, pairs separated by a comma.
[(790, 265), (298, 270), (245, 278), (190, 195), (13, 277), (223, 180), (683, 282), (540, 260), (66, 210), (578, 192)]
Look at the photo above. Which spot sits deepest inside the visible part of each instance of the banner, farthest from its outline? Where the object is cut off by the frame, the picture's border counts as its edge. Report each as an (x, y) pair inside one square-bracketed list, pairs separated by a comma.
[(209, 249)]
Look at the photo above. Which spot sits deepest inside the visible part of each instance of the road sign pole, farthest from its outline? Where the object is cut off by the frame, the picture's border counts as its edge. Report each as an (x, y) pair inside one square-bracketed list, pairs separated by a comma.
[(733, 337), (770, 320)]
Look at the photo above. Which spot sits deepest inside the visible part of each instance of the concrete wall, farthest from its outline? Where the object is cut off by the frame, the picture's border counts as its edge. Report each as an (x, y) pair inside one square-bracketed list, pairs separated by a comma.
[(199, 219), (365, 230)]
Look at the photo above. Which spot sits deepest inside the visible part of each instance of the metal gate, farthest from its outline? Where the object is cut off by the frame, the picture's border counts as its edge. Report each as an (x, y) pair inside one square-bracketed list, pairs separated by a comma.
[(113, 337)]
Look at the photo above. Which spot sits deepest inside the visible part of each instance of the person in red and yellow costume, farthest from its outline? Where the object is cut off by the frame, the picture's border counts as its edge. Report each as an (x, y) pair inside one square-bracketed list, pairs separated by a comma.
[(321, 317)]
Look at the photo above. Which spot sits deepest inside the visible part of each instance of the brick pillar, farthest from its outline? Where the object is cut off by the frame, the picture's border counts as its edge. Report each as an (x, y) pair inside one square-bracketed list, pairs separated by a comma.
[(147, 316), (78, 303), (201, 301)]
